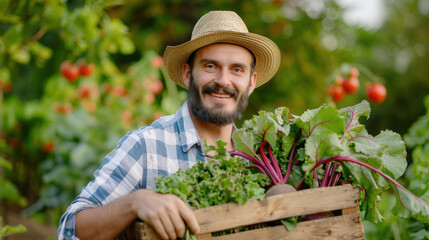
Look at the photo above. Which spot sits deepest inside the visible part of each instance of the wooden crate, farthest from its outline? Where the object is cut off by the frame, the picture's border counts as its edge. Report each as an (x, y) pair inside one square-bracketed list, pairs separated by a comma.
[(344, 198)]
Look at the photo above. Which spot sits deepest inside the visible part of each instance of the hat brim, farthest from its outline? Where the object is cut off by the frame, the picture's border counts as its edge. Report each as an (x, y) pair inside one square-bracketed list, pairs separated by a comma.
[(266, 52)]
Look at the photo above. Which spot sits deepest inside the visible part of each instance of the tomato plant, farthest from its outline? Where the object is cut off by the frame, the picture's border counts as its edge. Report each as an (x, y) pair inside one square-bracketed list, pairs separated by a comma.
[(338, 87)]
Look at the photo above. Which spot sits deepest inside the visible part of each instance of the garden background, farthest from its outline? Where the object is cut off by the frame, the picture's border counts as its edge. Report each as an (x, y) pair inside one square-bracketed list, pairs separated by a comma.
[(57, 124)]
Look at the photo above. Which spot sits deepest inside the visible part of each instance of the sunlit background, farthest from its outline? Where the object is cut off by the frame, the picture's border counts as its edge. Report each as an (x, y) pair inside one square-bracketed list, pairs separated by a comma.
[(57, 123)]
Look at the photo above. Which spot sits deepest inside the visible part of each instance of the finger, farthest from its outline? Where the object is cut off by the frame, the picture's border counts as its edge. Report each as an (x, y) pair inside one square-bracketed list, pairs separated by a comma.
[(177, 222), (188, 215), (159, 228), (168, 226)]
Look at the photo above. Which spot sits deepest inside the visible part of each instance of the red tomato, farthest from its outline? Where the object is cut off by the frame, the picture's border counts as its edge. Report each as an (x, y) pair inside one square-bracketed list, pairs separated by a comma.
[(376, 93), (157, 62), (351, 85), (84, 92), (69, 71), (354, 72), (156, 87), (336, 92), (86, 69), (48, 147), (119, 91)]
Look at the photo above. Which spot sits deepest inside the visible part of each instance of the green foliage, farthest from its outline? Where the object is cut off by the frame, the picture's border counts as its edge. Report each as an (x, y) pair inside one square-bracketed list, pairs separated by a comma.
[(395, 52), (8, 230), (58, 131), (214, 182), (9, 193), (80, 139), (329, 136), (8, 190), (416, 178)]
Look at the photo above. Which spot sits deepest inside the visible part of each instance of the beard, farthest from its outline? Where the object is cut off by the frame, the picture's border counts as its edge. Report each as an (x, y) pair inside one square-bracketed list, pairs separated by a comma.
[(216, 115)]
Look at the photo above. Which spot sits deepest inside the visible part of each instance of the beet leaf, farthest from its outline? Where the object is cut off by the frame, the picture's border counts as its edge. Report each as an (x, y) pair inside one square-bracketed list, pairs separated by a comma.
[(325, 145)]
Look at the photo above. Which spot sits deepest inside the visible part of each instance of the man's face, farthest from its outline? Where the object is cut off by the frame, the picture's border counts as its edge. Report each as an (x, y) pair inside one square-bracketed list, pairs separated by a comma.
[(220, 83)]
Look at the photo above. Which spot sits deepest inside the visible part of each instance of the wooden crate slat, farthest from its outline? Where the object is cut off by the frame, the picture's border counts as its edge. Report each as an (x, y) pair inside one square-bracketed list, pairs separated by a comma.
[(340, 227), (231, 215), (272, 208), (334, 228), (350, 210)]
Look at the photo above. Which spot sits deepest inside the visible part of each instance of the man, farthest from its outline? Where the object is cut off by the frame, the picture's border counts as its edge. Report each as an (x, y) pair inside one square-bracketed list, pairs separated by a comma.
[(221, 65)]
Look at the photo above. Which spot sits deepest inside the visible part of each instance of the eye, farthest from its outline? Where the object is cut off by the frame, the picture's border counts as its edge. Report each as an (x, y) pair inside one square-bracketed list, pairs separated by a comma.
[(210, 66), (237, 70)]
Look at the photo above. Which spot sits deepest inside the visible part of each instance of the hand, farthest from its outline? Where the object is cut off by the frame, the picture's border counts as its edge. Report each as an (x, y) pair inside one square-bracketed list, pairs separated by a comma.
[(166, 213)]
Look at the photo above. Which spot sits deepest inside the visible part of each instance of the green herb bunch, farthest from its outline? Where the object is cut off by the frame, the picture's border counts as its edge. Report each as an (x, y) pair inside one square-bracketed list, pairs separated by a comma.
[(215, 182)]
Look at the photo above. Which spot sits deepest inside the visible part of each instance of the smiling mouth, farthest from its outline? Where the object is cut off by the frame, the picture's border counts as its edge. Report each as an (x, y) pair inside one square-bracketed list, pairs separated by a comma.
[(220, 95)]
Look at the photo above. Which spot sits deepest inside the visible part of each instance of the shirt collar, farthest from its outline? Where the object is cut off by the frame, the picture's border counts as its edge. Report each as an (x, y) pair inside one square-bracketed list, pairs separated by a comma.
[(187, 132)]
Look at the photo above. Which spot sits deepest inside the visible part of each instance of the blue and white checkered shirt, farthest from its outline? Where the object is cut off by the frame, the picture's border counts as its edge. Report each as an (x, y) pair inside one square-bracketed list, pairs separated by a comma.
[(168, 144)]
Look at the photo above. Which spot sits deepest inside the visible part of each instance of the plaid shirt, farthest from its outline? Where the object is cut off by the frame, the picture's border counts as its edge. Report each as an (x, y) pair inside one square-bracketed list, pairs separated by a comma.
[(168, 144)]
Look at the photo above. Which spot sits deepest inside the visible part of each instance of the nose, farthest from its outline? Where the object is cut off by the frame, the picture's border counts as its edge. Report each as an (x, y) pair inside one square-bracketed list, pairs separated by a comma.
[(222, 78)]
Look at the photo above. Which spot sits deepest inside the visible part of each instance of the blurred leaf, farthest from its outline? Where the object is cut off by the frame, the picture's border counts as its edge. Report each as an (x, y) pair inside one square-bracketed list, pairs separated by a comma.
[(14, 35), (40, 50), (81, 156), (21, 56), (126, 46), (5, 164), (8, 191), (8, 230)]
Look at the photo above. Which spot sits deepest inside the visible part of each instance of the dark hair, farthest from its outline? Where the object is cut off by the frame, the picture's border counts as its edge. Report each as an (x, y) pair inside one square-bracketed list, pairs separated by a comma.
[(191, 60)]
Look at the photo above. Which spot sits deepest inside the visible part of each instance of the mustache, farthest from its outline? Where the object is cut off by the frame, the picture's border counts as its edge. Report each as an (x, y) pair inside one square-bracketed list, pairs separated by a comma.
[(213, 87)]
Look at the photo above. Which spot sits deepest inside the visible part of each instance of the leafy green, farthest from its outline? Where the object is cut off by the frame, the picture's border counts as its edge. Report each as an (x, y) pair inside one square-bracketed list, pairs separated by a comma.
[(324, 145), (215, 182), (289, 223), (416, 178)]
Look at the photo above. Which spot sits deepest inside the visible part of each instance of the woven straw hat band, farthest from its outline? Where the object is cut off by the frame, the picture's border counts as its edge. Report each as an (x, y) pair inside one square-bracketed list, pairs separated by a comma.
[(224, 27)]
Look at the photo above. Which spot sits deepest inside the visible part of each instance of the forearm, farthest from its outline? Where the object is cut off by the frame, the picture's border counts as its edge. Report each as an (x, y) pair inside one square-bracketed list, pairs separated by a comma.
[(106, 222), (165, 212)]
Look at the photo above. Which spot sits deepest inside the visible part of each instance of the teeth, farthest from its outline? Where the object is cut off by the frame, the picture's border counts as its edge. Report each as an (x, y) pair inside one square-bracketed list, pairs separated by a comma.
[(220, 95)]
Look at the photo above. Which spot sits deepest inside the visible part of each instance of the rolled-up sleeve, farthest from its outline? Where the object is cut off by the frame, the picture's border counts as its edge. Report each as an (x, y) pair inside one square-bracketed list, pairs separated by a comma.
[(170, 143), (119, 174)]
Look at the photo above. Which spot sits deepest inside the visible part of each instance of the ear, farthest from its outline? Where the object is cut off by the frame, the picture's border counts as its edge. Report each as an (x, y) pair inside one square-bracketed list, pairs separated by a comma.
[(186, 74), (253, 82)]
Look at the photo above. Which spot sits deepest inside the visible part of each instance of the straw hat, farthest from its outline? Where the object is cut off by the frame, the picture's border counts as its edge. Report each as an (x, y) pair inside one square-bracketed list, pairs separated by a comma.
[(224, 27)]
